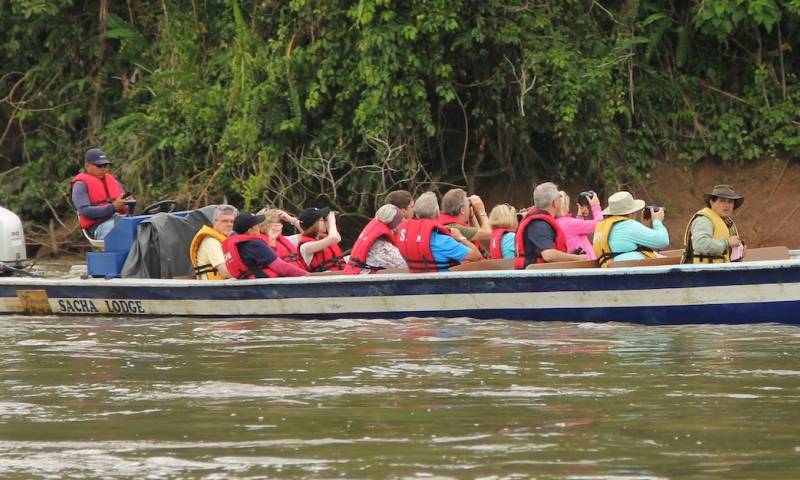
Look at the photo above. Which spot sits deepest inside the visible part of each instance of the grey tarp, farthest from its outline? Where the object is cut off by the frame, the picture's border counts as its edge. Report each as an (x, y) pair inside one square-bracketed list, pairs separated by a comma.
[(161, 248)]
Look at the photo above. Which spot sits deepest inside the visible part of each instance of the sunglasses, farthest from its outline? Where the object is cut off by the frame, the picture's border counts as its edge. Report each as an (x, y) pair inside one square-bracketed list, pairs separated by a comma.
[(105, 165)]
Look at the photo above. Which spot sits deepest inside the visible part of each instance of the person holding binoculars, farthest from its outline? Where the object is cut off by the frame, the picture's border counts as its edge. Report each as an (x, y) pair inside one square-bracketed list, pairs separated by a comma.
[(620, 237), (318, 244), (579, 228)]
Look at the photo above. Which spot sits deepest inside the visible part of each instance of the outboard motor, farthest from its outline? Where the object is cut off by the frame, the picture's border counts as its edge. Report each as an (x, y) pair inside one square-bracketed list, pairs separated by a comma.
[(12, 240)]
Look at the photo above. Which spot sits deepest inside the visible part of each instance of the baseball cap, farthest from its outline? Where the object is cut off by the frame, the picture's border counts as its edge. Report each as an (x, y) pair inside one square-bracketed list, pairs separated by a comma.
[(245, 221), (95, 156), (311, 215)]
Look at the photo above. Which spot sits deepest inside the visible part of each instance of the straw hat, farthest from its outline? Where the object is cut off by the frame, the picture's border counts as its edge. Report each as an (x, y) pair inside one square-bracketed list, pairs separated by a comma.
[(622, 203), (724, 191)]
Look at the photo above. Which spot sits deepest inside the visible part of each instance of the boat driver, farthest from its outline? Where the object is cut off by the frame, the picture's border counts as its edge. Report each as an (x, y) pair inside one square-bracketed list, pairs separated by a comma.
[(97, 195)]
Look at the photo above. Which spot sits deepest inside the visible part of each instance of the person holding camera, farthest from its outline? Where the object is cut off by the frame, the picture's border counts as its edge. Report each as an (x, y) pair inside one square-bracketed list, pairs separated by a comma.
[(620, 237), (98, 196), (579, 228), (711, 235), (318, 244)]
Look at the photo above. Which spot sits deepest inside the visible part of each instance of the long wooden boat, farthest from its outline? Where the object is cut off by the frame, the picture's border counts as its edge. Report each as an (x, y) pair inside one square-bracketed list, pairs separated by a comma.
[(746, 292)]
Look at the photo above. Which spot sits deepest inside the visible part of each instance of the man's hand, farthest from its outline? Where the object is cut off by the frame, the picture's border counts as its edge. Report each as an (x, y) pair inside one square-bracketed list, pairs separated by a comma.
[(119, 204), (733, 241), (274, 232), (658, 215), (477, 205)]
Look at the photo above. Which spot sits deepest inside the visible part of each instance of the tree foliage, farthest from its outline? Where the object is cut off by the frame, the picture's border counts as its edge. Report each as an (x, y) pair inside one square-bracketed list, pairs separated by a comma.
[(336, 102)]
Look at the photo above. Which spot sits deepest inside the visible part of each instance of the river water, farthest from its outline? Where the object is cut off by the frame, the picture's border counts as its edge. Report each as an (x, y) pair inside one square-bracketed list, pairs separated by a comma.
[(415, 398)]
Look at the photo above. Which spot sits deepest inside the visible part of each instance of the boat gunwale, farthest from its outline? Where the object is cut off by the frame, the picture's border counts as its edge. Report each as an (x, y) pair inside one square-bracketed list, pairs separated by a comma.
[(406, 277)]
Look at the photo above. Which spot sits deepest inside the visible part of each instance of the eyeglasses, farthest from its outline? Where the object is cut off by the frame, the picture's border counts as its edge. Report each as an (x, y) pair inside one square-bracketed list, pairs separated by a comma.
[(105, 165)]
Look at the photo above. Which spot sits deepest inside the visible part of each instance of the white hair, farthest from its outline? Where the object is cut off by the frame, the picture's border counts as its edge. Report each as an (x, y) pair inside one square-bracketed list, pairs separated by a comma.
[(544, 194), (225, 210), (427, 206)]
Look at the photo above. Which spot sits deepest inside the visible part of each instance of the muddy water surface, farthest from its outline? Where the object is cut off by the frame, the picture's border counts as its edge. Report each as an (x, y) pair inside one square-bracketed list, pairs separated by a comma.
[(417, 398)]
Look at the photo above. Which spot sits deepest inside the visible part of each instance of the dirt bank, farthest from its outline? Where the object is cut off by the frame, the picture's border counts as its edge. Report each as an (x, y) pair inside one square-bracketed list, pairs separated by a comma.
[(770, 214)]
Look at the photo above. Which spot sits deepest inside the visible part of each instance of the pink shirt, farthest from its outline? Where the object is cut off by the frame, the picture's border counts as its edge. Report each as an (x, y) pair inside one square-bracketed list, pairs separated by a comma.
[(578, 230)]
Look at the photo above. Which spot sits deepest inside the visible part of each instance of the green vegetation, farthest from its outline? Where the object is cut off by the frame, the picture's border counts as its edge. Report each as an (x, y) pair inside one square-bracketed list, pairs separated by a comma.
[(302, 102)]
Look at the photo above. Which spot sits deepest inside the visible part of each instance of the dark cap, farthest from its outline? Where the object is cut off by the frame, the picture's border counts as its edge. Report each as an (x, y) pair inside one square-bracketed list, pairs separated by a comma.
[(310, 215), (245, 221), (724, 191), (95, 156)]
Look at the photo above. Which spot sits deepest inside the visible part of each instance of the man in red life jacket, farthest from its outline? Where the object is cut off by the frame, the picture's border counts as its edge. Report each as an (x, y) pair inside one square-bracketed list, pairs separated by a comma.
[(427, 245), (467, 215), (247, 254), (539, 237), (97, 195)]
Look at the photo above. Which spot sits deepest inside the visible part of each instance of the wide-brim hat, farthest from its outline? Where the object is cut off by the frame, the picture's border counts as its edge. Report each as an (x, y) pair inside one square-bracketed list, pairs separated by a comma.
[(245, 221), (310, 215), (724, 191), (623, 203)]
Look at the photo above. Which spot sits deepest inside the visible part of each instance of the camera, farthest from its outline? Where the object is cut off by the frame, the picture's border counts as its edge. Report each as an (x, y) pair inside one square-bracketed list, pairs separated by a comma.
[(648, 211), (583, 197)]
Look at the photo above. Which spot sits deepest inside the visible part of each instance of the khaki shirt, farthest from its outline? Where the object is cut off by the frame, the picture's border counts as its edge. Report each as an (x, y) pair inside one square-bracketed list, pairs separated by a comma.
[(210, 253), (703, 238)]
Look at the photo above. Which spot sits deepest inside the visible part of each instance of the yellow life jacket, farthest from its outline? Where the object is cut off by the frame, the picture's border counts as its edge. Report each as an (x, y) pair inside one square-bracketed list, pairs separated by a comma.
[(722, 229), (600, 241), (207, 269)]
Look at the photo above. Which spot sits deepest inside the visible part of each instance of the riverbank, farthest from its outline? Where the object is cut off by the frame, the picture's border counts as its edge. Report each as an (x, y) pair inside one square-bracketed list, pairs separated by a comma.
[(769, 216)]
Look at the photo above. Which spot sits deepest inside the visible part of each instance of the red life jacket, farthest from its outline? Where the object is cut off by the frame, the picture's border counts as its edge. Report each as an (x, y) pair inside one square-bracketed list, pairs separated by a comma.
[(101, 192), (374, 230), (414, 242), (330, 258), (560, 243), (495, 245), (285, 250), (448, 220), (233, 261)]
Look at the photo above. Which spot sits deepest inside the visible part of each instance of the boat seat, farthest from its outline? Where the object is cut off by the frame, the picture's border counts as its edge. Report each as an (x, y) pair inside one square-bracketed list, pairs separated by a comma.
[(327, 273), (99, 244), (647, 262), (560, 265), (392, 270), (494, 264), (766, 253)]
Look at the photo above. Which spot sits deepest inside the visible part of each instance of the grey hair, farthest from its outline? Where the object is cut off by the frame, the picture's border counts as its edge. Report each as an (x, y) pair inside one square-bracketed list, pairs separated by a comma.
[(386, 213), (544, 194), (224, 210), (427, 206)]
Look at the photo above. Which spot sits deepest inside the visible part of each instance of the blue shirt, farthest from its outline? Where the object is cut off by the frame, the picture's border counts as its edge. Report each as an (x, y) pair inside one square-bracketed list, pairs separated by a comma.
[(445, 248), (508, 245), (257, 255), (627, 235)]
